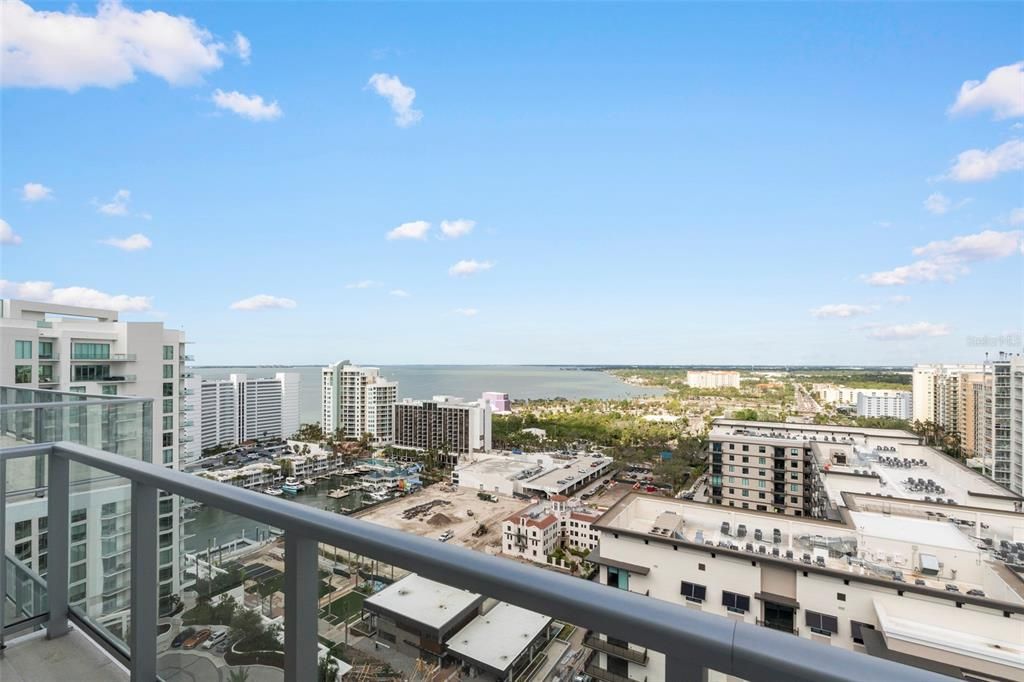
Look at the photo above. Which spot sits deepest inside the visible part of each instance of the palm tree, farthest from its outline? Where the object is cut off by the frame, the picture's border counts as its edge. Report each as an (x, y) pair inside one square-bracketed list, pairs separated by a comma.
[(327, 670), (238, 675)]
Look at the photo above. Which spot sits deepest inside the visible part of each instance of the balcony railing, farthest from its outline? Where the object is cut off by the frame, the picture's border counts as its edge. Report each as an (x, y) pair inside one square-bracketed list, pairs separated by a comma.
[(691, 640), (594, 642), (605, 675)]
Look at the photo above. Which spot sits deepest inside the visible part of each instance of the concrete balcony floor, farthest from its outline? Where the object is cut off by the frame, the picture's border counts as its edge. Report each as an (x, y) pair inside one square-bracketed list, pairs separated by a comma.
[(33, 658)]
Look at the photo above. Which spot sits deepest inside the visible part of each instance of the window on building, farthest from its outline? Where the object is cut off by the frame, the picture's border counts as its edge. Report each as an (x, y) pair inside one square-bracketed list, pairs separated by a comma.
[(22, 529), (821, 623), (78, 389), (694, 592), (168, 455), (90, 351), (855, 630), (76, 573), (168, 371), (737, 603), (168, 352), (23, 374), (168, 405), (168, 389), (45, 374), (90, 372), (46, 350), (168, 422), (22, 350), (108, 389), (618, 577), (168, 439)]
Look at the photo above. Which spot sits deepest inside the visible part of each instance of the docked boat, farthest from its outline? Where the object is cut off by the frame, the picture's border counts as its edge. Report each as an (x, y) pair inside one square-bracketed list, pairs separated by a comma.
[(349, 472), (343, 491), (308, 482), (292, 485), (276, 492)]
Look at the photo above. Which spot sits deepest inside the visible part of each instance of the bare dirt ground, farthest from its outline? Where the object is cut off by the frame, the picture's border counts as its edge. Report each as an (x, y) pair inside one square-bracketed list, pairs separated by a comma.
[(450, 511)]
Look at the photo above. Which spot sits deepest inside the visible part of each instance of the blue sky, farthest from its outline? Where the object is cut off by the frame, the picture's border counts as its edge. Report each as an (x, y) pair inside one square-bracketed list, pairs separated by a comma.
[(660, 183)]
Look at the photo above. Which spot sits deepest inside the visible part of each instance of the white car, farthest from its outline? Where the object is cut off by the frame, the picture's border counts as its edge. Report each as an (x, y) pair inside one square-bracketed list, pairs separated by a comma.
[(215, 639), (446, 536)]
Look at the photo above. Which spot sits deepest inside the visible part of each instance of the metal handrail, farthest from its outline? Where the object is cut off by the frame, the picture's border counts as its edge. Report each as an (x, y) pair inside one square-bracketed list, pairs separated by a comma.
[(691, 640)]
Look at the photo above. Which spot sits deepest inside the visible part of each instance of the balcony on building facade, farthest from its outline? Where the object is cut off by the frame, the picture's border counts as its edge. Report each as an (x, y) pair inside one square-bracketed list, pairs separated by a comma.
[(593, 641), (40, 441)]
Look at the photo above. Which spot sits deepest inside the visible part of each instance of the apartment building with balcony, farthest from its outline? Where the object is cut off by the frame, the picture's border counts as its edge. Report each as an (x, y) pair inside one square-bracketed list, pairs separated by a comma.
[(90, 351), (908, 580), (713, 379), (537, 531), (446, 424), (1001, 428), (243, 408), (358, 401)]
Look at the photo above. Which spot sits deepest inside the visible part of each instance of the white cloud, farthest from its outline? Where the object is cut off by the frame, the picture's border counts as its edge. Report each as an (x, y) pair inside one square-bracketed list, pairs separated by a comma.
[(251, 107), (466, 312), (118, 206), (80, 296), (985, 245), (469, 267), (457, 228), (7, 233), (1016, 216), (417, 229), (399, 96), (947, 260), (899, 299), (843, 310), (1002, 91), (134, 242), (34, 191), (71, 50), (243, 48), (361, 284), (401, 293), (937, 203), (975, 165), (263, 302), (913, 330)]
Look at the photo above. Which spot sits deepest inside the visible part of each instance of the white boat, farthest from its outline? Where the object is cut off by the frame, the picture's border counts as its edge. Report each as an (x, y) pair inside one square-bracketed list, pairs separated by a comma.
[(308, 482), (292, 485), (343, 491), (349, 472), (273, 491)]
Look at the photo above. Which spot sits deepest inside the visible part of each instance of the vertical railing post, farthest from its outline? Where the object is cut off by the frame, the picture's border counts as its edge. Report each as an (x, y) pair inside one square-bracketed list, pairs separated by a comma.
[(58, 523), (144, 583), (3, 548), (301, 607), (679, 669)]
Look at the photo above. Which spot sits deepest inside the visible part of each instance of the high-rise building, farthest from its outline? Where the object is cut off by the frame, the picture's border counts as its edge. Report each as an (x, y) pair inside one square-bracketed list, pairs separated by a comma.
[(358, 401), (500, 403), (713, 379), (946, 396), (1001, 437), (896, 404), (241, 408), (446, 423), (88, 350)]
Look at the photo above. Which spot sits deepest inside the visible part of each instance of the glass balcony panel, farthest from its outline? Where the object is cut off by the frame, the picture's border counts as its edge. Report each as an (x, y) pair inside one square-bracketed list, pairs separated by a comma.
[(229, 578)]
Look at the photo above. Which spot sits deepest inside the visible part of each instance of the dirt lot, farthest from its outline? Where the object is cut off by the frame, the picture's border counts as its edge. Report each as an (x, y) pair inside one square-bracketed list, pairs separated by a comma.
[(453, 516)]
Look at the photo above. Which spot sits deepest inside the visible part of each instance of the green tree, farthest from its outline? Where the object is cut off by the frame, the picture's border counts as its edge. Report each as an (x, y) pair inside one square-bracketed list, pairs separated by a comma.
[(327, 670)]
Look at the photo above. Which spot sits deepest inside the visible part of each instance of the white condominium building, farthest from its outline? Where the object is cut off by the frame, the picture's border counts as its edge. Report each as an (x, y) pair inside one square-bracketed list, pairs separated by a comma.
[(927, 583), (713, 379), (1001, 431), (536, 532), (896, 404), (88, 350), (445, 423), (358, 401), (242, 408)]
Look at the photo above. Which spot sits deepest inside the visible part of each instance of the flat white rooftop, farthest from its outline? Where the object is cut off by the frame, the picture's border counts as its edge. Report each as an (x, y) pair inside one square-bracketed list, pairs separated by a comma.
[(424, 601), (567, 473), (918, 531), (498, 637)]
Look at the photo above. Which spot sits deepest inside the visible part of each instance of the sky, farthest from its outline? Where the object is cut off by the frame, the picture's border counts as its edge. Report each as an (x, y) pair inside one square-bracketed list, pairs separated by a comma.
[(575, 183)]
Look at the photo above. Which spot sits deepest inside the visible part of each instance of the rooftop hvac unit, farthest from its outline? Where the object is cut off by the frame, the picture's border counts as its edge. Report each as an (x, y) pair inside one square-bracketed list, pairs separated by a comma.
[(929, 564)]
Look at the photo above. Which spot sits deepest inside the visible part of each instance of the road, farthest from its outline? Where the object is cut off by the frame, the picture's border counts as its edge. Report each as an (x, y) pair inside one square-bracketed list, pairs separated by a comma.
[(804, 402)]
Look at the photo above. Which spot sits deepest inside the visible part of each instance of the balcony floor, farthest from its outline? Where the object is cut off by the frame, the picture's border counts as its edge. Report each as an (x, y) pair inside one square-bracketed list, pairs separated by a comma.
[(33, 658)]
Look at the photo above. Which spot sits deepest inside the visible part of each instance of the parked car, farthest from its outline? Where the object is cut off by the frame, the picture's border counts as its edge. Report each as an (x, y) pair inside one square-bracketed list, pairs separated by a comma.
[(446, 536), (224, 645), (196, 639), (215, 639), (180, 638)]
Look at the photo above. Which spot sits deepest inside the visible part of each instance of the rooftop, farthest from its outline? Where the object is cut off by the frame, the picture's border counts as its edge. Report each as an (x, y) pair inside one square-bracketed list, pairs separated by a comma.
[(424, 601), (875, 544), (722, 426), (498, 637)]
